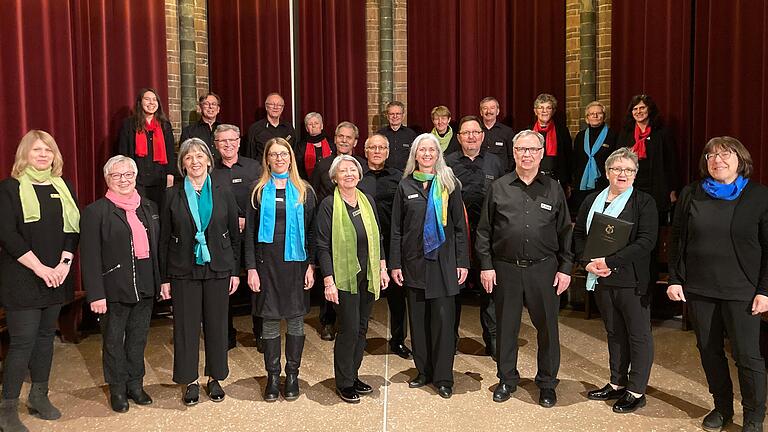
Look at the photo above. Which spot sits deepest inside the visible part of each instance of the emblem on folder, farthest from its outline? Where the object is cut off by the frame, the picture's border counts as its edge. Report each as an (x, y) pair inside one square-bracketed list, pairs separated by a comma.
[(609, 229)]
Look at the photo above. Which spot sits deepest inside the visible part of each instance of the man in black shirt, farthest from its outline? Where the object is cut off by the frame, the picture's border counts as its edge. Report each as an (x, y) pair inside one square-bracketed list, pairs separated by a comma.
[(524, 247), (498, 137), (400, 137), (476, 169), (238, 173), (265, 129), (210, 106), (384, 180)]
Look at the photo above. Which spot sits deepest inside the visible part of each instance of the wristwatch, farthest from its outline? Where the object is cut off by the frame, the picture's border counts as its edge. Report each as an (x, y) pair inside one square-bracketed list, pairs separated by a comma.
[(67, 261)]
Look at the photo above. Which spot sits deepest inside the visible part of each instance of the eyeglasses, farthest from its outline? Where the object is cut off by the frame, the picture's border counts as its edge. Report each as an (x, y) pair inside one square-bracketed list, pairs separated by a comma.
[(545, 108), (629, 172), (275, 105), (725, 154), (395, 114), (209, 104), (230, 142), (467, 134), (596, 114), (130, 175), (524, 150), (377, 148), (278, 155)]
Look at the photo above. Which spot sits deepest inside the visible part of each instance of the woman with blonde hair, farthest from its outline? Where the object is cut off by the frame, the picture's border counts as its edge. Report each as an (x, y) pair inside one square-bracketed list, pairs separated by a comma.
[(279, 257), (39, 233)]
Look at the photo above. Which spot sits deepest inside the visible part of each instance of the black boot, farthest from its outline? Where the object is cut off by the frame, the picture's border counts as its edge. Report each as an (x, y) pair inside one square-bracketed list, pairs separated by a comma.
[(9, 416), (39, 403), (294, 346), (272, 365)]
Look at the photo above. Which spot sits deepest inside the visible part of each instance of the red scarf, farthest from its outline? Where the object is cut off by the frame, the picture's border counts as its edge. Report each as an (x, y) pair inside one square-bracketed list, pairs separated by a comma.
[(639, 147), (550, 137), (310, 158), (158, 142), (138, 232)]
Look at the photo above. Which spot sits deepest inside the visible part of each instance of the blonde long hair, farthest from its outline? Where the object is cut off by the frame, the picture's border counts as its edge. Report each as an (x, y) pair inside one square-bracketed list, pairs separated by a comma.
[(443, 173), (266, 173), (25, 145)]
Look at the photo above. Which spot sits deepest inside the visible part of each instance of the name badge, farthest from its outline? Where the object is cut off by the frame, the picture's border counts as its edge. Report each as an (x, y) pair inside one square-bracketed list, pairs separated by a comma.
[(499, 143), (407, 145), (237, 180), (489, 177), (278, 199), (55, 195), (412, 196), (605, 145), (356, 213), (155, 217), (546, 207), (288, 138)]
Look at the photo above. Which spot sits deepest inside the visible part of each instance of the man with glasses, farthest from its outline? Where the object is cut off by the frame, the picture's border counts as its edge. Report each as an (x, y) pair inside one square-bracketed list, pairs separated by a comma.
[(238, 173), (209, 106), (400, 137), (266, 129), (476, 169), (381, 181), (498, 136), (524, 247)]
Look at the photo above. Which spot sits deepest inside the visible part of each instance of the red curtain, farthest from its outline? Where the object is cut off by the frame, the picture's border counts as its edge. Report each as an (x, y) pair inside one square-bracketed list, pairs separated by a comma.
[(460, 51), (730, 91), (651, 54), (249, 57), (332, 72), (73, 68)]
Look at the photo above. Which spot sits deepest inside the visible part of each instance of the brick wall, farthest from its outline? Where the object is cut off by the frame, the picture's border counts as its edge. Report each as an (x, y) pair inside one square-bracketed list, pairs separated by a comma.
[(400, 55), (372, 58), (201, 47)]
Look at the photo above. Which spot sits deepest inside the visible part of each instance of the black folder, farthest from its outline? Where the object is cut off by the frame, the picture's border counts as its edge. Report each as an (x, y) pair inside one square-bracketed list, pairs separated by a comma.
[(607, 235)]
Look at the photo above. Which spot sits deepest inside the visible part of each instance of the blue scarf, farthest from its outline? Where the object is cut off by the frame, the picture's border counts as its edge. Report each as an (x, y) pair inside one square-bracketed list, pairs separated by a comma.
[(591, 171), (201, 208), (294, 218), (614, 209), (728, 192), (437, 205)]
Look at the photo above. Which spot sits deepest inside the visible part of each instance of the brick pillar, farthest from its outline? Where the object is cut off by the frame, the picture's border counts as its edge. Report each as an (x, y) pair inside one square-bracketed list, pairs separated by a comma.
[(188, 58), (373, 72), (173, 110), (588, 48), (400, 55), (386, 55)]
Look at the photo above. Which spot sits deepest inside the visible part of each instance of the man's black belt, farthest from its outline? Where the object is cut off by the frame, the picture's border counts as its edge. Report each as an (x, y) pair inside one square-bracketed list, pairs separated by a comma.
[(523, 263)]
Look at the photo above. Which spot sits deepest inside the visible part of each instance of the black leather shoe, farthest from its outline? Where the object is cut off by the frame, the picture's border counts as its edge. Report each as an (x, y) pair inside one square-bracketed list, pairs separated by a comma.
[(628, 403), (445, 392), (192, 394), (348, 395), (419, 381), (503, 392), (547, 398), (328, 333), (715, 421), (402, 351), (752, 427), (362, 388), (139, 396), (605, 393), (215, 392), (118, 402)]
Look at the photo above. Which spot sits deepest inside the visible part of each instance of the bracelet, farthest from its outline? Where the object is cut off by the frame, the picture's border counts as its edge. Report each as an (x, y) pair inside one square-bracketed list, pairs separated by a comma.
[(67, 261), (331, 285)]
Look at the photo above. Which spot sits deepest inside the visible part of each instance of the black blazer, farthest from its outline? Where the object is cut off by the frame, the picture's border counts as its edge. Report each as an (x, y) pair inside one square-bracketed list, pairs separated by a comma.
[(662, 155), (106, 250), (177, 234), (749, 234), (126, 146), (630, 266)]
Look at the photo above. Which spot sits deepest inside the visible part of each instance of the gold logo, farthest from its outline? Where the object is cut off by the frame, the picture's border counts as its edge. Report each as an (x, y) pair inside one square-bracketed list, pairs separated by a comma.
[(609, 229)]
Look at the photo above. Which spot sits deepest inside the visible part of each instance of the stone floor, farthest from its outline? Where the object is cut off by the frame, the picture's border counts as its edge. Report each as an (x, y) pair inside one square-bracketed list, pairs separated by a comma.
[(677, 398)]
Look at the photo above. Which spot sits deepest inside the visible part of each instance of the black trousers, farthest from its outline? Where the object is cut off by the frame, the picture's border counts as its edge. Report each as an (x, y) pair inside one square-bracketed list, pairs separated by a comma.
[(124, 330), (530, 287), (196, 301), (432, 335), (397, 318), (627, 319), (711, 318), (31, 347), (487, 310), (353, 312), (327, 312)]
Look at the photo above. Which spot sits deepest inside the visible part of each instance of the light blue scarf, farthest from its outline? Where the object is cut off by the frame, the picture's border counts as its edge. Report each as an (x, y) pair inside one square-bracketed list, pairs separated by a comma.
[(294, 218), (201, 208), (591, 171), (614, 209)]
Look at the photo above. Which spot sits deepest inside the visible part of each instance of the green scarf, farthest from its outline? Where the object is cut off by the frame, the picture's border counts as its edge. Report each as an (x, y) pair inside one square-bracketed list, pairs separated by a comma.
[(30, 206), (444, 140), (344, 245)]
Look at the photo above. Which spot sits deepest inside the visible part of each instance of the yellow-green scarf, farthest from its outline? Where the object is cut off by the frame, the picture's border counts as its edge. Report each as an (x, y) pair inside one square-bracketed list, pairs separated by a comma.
[(30, 206)]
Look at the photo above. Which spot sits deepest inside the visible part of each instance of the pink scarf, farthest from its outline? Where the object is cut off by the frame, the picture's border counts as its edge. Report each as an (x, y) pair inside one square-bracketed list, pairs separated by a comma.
[(130, 204)]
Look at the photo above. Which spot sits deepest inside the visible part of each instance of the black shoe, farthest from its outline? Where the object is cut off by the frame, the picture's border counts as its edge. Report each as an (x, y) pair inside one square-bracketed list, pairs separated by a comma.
[(547, 397), (362, 388), (628, 403), (192, 395), (139, 396), (752, 427), (291, 389), (215, 392), (119, 402), (503, 392), (328, 333), (348, 395), (260, 344), (445, 392), (402, 351), (605, 393), (419, 381), (715, 421), (272, 392)]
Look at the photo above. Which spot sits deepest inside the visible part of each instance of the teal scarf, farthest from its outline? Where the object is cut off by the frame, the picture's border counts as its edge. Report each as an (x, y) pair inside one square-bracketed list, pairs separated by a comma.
[(201, 208), (294, 218), (436, 216), (614, 209), (591, 171)]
